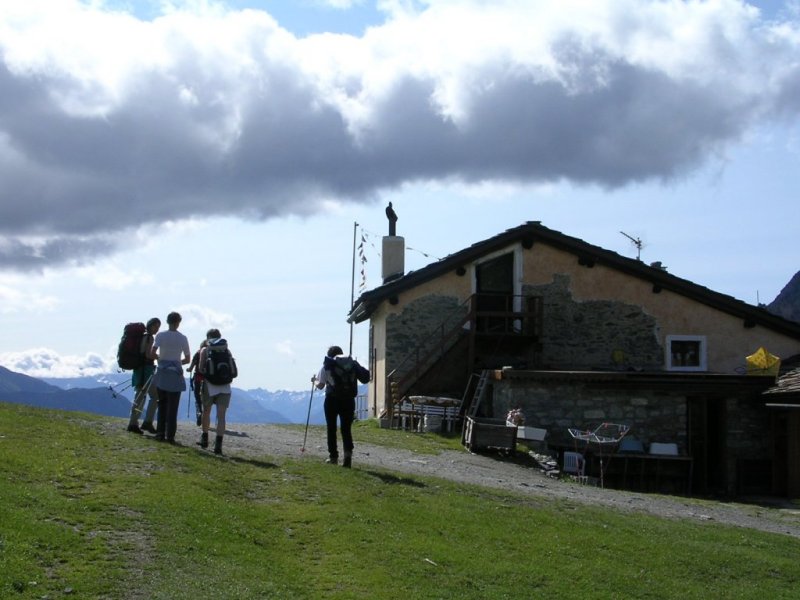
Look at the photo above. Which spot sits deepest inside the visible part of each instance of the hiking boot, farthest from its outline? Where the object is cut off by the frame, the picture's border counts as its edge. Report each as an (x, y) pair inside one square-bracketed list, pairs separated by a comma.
[(203, 443), (348, 460), (134, 428), (148, 427), (333, 460), (218, 445)]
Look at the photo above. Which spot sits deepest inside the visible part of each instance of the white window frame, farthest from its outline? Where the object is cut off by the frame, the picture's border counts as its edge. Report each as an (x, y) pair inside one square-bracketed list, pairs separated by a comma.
[(702, 347)]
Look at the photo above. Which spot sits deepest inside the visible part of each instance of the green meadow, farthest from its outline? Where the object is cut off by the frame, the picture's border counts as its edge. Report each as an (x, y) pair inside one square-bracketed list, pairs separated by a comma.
[(89, 511)]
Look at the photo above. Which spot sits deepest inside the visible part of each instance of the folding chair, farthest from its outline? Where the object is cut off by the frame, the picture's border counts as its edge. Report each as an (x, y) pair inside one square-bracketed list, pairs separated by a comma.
[(575, 464)]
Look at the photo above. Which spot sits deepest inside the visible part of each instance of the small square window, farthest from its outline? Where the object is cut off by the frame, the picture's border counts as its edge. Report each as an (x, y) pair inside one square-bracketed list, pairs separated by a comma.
[(686, 353)]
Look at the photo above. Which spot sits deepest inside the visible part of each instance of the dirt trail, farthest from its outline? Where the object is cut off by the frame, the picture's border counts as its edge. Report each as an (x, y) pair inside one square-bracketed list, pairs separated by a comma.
[(495, 472)]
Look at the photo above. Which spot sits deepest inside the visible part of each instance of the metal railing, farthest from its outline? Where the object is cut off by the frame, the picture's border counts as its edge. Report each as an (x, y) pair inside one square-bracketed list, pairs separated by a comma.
[(479, 314), (362, 407)]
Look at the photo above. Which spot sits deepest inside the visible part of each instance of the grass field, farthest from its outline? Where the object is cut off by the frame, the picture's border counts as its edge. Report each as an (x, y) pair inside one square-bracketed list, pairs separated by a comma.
[(88, 511)]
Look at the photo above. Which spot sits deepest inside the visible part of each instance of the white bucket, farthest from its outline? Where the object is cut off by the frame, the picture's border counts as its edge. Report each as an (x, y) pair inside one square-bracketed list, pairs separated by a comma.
[(433, 424)]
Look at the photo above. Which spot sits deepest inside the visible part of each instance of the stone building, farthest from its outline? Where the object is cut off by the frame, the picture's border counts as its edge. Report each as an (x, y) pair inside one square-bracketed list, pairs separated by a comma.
[(576, 335)]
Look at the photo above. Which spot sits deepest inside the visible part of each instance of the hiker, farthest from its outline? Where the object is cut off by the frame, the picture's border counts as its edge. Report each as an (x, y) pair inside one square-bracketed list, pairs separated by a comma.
[(141, 380), (196, 383), (218, 369), (339, 376), (171, 348)]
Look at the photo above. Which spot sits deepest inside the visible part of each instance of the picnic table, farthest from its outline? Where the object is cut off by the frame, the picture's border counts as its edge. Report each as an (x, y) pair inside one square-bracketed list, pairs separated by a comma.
[(442, 407)]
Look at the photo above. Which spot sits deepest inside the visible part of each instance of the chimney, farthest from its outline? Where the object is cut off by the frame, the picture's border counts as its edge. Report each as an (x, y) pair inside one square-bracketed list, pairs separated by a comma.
[(394, 247)]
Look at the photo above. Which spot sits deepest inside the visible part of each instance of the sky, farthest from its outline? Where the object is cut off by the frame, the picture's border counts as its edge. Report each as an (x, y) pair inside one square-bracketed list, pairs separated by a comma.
[(221, 158)]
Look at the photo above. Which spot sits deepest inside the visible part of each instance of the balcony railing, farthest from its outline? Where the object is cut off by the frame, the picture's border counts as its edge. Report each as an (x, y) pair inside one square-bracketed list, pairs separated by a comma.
[(499, 315)]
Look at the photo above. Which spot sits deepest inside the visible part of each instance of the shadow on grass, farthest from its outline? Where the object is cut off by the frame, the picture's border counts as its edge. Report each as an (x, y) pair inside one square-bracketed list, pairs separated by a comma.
[(263, 464), (395, 480), (254, 462), (231, 432)]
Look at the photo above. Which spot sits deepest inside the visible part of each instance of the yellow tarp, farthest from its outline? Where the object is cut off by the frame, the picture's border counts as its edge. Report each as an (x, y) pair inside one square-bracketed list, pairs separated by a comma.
[(762, 362)]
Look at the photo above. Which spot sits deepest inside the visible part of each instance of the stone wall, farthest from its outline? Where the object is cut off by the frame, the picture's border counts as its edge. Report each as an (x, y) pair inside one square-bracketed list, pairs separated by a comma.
[(749, 441), (557, 406), (596, 333), (653, 416), (418, 325)]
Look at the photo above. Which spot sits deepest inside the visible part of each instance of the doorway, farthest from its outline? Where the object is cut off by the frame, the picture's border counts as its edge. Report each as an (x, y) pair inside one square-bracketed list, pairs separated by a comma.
[(494, 286), (707, 427)]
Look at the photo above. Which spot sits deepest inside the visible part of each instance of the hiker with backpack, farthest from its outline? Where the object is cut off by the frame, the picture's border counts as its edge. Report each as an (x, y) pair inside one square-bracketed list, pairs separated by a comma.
[(340, 376), (196, 383), (218, 368), (171, 348), (142, 377)]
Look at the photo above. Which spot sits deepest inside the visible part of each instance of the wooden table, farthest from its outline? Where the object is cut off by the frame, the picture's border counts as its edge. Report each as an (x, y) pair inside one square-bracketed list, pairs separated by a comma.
[(647, 472)]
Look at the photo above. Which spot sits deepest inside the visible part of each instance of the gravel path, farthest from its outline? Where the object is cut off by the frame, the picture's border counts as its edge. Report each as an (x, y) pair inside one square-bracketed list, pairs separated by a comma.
[(496, 472)]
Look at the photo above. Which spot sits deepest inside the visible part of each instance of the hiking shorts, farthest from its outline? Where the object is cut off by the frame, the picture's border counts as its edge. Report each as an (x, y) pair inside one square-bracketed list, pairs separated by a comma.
[(222, 400), (141, 376)]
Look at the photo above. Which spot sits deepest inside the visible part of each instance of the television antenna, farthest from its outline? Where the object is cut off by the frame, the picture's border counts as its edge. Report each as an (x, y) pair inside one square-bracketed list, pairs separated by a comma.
[(636, 242)]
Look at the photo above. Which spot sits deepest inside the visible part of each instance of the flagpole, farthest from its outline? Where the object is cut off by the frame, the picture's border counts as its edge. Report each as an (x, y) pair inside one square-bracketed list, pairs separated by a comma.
[(353, 286)]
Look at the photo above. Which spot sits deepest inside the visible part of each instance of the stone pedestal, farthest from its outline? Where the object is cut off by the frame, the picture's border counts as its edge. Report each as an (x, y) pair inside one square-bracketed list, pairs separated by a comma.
[(393, 266)]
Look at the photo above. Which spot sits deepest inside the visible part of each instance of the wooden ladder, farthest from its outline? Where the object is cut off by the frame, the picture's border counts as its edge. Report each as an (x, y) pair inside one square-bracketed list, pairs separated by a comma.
[(477, 396)]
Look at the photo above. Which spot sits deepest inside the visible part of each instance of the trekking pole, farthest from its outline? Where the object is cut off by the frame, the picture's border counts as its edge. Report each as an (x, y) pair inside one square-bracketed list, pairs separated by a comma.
[(188, 401), (115, 392), (145, 389), (308, 416)]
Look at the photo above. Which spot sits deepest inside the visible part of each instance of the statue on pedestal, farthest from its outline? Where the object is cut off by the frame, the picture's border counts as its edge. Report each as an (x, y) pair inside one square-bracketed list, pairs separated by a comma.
[(392, 216)]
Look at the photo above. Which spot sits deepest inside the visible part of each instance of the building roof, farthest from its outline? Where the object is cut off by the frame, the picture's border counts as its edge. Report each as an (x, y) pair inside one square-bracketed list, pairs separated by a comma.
[(786, 384), (587, 254)]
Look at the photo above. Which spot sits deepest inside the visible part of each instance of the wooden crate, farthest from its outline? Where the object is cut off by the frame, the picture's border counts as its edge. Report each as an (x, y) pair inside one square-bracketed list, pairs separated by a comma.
[(489, 434)]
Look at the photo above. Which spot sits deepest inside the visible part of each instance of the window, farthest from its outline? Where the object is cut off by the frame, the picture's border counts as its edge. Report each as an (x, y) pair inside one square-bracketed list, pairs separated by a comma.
[(686, 353)]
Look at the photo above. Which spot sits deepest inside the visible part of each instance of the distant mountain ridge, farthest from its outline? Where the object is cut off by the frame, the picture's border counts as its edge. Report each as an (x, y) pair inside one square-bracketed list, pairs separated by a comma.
[(22, 389), (787, 303), (109, 394)]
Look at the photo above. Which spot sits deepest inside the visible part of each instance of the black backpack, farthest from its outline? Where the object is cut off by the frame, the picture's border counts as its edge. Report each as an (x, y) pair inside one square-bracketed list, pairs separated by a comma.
[(129, 352), (346, 374), (220, 368)]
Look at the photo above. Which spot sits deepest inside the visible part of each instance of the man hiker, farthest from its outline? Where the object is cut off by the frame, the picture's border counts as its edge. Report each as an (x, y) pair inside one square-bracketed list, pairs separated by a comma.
[(340, 376), (142, 381)]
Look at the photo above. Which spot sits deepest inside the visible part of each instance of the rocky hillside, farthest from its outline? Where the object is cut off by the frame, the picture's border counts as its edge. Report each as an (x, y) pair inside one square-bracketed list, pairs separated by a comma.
[(787, 304)]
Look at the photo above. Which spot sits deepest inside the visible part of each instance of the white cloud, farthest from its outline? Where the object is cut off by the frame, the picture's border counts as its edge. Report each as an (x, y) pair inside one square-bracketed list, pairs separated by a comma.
[(111, 276), (204, 318), (340, 4), (107, 121), (15, 300), (44, 362), (285, 347)]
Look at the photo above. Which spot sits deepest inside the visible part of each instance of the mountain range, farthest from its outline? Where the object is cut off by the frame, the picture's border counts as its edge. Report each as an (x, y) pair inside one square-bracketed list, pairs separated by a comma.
[(110, 395), (787, 303)]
